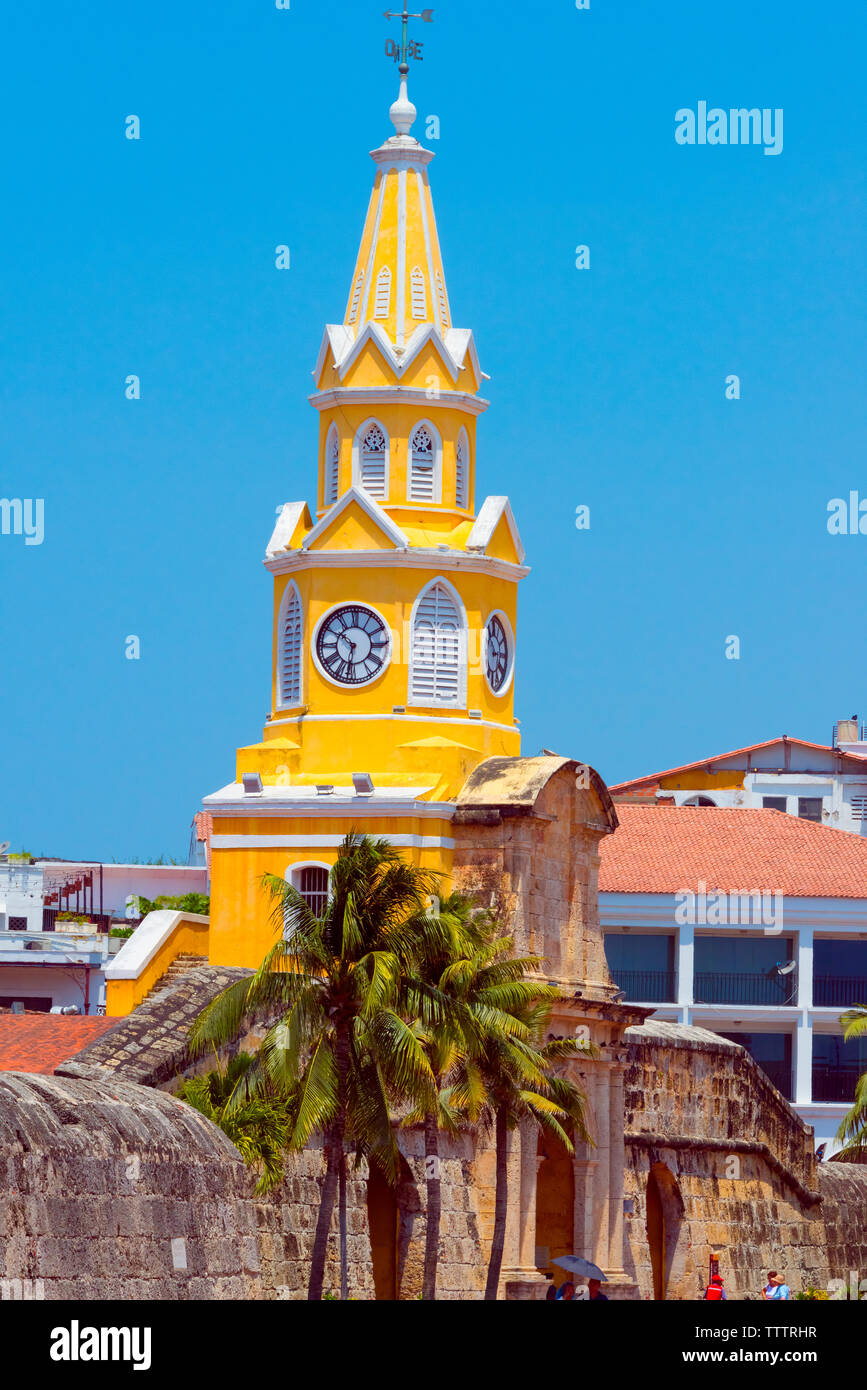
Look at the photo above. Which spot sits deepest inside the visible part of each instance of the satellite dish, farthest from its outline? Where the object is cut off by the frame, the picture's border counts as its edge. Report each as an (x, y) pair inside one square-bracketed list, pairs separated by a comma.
[(4, 846), (786, 969)]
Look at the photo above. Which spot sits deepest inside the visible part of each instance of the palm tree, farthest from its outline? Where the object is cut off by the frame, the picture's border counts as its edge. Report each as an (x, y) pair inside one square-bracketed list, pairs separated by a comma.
[(445, 966), (853, 1128), (338, 991), (258, 1123), (515, 1076)]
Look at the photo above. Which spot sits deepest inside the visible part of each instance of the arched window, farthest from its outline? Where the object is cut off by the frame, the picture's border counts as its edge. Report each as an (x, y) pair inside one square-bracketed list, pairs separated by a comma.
[(289, 636), (417, 293), (425, 452), (332, 466), (371, 469), (462, 470), (438, 648), (311, 880), (382, 303)]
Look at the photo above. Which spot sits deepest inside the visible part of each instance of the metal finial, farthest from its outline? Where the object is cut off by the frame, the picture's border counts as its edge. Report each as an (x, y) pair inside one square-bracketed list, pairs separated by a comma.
[(402, 112)]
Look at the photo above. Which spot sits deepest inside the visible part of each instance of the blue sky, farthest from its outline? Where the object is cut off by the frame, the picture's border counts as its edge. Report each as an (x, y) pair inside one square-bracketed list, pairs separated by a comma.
[(708, 516)]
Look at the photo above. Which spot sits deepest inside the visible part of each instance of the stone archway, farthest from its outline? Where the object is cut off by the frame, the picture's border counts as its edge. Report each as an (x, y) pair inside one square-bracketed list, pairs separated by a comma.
[(665, 1235), (382, 1224), (555, 1205)]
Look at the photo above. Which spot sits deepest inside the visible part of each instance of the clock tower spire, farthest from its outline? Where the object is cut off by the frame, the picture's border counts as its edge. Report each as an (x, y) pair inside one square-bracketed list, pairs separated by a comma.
[(395, 595)]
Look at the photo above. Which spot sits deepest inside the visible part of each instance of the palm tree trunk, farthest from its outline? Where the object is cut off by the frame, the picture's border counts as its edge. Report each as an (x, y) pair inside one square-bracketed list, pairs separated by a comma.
[(334, 1187), (434, 1205), (501, 1204), (342, 1059), (344, 1249), (323, 1223)]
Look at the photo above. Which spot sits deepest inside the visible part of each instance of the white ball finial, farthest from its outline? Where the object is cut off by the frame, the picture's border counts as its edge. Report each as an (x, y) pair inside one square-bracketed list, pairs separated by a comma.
[(402, 111)]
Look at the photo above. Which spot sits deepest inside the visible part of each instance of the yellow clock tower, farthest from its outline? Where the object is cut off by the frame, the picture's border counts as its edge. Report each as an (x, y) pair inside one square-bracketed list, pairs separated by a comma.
[(395, 596)]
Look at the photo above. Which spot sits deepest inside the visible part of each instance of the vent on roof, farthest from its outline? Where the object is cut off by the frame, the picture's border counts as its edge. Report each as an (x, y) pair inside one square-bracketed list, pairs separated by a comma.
[(418, 296), (382, 303), (441, 296), (356, 296)]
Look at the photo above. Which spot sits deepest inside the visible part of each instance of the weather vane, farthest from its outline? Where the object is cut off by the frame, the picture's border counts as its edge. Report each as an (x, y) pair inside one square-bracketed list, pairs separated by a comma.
[(407, 47)]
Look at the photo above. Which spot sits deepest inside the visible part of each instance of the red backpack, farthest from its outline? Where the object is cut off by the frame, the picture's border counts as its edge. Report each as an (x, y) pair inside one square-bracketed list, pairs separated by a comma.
[(714, 1290)]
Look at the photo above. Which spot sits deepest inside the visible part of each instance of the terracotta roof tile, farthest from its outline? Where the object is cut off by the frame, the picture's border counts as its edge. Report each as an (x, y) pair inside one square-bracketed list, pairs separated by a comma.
[(669, 849), (38, 1042)]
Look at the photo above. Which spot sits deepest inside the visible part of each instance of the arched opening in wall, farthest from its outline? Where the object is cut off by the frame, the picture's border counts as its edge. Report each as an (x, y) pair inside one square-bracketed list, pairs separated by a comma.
[(555, 1205), (664, 1221), (382, 1224)]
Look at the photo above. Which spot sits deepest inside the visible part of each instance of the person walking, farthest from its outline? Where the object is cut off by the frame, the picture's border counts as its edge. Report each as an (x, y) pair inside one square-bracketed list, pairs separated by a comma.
[(715, 1290)]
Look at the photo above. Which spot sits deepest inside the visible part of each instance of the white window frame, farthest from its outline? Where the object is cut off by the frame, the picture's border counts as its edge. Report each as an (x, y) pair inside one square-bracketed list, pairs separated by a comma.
[(290, 590), (462, 503), (460, 702), (437, 465), (331, 471), (295, 869), (356, 458)]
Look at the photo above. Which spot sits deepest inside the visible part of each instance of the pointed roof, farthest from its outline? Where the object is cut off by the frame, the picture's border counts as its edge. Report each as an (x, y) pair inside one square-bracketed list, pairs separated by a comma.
[(398, 297), (653, 777), (358, 498)]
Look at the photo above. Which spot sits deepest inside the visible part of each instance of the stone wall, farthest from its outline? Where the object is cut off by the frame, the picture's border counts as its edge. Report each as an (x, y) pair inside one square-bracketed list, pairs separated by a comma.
[(718, 1163), (117, 1191)]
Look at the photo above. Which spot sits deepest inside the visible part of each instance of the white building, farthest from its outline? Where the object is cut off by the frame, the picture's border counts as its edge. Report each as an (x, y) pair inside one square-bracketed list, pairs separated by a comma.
[(752, 924), (46, 962), (825, 783)]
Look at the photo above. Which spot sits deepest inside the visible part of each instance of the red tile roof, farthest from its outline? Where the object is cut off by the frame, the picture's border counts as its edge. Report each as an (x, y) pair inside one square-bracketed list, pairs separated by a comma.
[(718, 757), (670, 849), (38, 1042)]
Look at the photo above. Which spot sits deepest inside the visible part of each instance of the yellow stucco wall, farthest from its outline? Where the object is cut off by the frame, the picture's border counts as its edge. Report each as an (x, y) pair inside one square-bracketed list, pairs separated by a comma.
[(191, 936)]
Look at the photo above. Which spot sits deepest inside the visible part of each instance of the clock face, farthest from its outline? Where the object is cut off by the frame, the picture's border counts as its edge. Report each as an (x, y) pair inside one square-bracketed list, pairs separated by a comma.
[(352, 644), (498, 657)]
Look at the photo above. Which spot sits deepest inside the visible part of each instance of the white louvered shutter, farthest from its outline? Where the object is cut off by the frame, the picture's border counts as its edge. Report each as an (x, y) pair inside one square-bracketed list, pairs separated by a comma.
[(356, 296), (290, 651), (382, 302), (417, 294), (332, 467), (373, 462), (422, 482), (441, 295), (461, 472), (436, 650)]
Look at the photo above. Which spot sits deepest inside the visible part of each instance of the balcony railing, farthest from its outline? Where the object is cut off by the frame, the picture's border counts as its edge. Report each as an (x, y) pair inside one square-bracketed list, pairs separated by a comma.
[(836, 1083), (711, 987), (780, 1074), (60, 945), (646, 986), (831, 991)]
